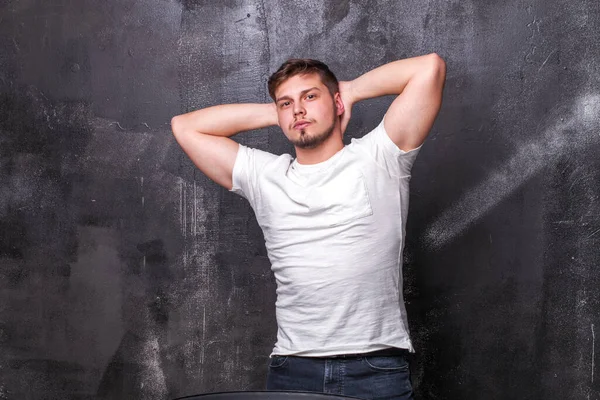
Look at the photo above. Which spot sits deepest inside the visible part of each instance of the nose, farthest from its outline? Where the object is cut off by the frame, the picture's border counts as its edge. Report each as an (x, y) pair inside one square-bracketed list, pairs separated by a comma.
[(298, 109)]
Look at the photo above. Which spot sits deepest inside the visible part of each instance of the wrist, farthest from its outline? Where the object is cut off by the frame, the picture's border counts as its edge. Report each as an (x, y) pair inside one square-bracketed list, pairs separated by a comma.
[(352, 91), (271, 114)]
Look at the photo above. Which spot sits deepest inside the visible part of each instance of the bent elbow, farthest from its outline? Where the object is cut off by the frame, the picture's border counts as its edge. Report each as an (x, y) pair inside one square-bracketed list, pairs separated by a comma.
[(438, 65), (176, 125)]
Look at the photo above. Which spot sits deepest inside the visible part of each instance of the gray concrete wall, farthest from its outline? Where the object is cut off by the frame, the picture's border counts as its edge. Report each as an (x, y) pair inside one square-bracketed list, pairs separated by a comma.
[(125, 273)]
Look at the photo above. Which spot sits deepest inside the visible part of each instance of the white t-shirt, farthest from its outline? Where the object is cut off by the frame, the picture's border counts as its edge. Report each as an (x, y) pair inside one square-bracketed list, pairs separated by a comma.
[(334, 233)]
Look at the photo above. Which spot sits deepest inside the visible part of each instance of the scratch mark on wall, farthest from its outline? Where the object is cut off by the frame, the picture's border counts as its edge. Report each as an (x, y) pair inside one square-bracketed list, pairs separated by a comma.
[(593, 233), (192, 214), (547, 58), (119, 125), (593, 351), (195, 210), (181, 204), (534, 25), (183, 207), (242, 19), (184, 225), (16, 45), (568, 134), (142, 190), (534, 28), (203, 334)]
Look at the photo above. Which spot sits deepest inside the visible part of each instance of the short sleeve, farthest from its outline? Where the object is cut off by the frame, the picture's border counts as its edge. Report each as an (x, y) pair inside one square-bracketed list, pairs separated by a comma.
[(249, 164), (385, 152)]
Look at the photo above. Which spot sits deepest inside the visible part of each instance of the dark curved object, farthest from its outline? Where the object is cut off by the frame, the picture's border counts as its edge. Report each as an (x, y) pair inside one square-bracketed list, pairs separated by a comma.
[(266, 395)]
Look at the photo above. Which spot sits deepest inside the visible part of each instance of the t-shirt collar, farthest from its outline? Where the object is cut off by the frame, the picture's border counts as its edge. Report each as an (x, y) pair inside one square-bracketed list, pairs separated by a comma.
[(310, 168)]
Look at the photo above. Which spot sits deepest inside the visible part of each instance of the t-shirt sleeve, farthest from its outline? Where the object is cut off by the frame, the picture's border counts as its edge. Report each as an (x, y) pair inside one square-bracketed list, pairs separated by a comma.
[(249, 164), (385, 152)]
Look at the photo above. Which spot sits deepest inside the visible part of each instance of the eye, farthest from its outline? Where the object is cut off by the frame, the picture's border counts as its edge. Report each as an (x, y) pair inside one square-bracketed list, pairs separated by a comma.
[(311, 96), (284, 104)]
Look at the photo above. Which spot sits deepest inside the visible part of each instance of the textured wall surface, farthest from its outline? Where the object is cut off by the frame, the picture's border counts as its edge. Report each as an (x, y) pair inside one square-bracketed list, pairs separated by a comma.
[(125, 273)]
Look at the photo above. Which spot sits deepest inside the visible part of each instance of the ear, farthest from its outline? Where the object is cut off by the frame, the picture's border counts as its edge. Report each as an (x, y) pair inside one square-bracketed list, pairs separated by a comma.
[(339, 104)]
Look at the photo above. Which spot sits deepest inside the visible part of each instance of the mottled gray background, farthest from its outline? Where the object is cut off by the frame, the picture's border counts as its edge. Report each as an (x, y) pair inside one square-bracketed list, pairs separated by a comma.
[(125, 273)]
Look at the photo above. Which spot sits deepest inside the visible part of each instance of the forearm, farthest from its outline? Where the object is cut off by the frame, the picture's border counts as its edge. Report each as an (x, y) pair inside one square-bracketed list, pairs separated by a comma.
[(227, 119), (392, 78)]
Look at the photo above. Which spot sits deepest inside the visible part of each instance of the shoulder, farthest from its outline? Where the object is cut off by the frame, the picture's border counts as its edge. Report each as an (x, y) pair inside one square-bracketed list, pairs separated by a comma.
[(379, 137), (380, 149), (254, 158)]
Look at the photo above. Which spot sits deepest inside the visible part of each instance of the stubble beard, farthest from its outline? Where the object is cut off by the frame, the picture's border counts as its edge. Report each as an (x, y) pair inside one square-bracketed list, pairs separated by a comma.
[(308, 141)]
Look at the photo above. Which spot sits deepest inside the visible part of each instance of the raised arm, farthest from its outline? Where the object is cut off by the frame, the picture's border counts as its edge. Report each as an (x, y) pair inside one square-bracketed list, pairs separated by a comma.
[(204, 135), (418, 82)]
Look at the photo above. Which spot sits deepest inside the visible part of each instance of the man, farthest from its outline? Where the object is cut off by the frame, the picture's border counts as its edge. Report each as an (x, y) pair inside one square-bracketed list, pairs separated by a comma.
[(333, 218)]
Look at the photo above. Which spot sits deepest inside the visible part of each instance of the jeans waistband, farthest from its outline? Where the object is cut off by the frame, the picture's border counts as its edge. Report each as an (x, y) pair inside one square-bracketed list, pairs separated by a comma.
[(389, 352)]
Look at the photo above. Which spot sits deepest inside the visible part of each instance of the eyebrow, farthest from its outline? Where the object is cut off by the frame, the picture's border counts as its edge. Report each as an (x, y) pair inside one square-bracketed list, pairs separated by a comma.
[(302, 93)]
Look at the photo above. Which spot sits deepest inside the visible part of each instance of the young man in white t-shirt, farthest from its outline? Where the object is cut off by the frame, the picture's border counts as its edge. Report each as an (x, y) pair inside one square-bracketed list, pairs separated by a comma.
[(333, 218)]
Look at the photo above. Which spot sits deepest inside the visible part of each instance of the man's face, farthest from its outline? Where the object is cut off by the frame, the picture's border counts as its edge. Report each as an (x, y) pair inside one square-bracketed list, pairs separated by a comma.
[(307, 112)]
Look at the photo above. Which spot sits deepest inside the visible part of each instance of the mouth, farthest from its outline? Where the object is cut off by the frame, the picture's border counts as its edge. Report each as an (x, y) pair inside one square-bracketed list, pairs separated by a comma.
[(301, 124)]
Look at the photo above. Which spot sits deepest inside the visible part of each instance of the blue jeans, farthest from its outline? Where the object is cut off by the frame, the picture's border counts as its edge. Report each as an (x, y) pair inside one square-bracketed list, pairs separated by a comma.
[(362, 376)]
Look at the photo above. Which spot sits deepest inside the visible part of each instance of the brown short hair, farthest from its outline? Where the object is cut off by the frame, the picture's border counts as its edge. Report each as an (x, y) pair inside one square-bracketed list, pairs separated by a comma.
[(303, 66)]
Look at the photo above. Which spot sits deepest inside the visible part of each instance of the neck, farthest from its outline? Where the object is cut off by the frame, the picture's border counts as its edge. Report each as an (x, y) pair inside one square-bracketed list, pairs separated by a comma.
[(322, 152)]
